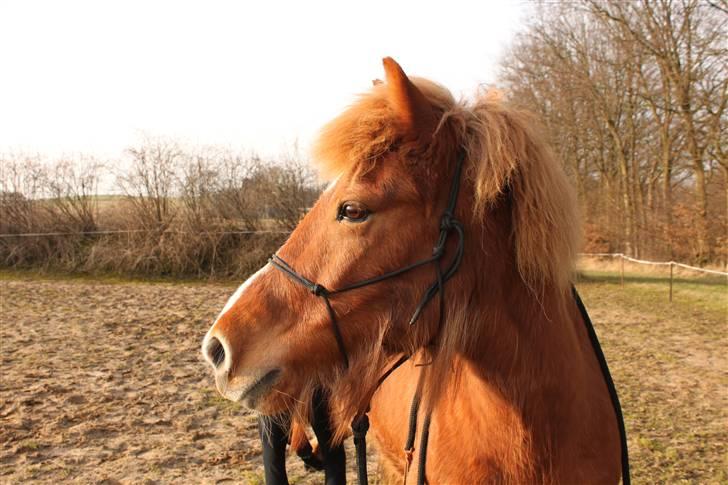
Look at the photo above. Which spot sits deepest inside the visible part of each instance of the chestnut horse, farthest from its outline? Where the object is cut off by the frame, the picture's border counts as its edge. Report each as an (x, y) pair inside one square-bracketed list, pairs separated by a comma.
[(509, 376)]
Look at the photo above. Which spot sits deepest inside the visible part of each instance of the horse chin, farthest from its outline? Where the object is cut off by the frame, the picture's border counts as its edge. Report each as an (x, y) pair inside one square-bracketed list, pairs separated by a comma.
[(250, 390)]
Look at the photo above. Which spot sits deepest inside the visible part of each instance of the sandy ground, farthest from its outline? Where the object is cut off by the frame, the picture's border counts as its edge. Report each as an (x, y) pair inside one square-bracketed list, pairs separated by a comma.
[(104, 383)]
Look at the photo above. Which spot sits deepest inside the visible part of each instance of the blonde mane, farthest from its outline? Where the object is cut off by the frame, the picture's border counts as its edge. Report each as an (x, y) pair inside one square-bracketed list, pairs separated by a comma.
[(506, 152)]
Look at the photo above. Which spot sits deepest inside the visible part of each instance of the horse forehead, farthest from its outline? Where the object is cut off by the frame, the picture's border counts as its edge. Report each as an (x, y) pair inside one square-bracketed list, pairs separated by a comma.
[(386, 179)]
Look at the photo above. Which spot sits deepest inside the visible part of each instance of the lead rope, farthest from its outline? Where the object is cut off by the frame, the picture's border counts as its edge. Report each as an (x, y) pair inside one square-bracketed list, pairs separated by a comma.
[(424, 437), (409, 447)]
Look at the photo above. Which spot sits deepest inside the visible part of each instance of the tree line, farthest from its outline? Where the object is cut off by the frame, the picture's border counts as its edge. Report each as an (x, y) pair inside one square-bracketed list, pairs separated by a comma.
[(180, 210), (634, 97)]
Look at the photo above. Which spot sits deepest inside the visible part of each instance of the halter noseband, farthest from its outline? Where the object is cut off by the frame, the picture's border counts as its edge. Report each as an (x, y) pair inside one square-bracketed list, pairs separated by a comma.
[(448, 224)]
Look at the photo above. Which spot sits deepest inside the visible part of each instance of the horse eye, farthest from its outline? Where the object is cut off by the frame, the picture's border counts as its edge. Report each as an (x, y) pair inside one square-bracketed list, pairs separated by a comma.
[(353, 212)]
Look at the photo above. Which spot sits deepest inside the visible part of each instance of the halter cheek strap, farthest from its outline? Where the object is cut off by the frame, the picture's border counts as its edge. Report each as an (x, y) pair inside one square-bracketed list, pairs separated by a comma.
[(449, 224), (317, 290)]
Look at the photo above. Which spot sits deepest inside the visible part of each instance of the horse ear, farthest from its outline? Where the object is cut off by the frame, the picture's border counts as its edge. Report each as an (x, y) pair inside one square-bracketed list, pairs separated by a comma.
[(408, 102)]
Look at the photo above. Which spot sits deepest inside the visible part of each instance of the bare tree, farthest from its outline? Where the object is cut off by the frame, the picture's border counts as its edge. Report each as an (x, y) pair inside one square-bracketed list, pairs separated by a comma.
[(151, 180), (633, 94), (72, 185), (22, 185), (687, 41)]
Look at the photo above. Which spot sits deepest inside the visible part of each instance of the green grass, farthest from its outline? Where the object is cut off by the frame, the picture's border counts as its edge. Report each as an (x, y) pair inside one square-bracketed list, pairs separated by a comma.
[(29, 445), (253, 478)]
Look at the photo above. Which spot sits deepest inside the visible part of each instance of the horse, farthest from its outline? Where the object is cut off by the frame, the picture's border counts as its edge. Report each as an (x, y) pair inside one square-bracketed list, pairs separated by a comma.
[(503, 367)]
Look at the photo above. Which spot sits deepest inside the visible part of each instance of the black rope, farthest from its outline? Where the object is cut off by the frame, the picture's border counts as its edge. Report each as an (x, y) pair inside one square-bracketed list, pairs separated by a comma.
[(337, 332), (610, 385), (359, 427), (409, 445), (422, 462)]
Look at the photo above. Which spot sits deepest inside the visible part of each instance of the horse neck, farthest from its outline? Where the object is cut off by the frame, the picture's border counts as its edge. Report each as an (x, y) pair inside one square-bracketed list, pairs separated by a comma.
[(516, 336)]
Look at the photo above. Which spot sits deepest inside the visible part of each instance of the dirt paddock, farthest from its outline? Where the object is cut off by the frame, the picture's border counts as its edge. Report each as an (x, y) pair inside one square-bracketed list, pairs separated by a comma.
[(104, 383)]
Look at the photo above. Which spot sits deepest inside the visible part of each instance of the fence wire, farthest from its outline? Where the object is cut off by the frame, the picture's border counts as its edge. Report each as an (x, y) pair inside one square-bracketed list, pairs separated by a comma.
[(136, 231), (654, 263), (283, 231)]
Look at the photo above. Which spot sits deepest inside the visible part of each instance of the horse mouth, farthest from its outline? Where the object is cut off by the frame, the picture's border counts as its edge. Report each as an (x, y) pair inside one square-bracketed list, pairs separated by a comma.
[(251, 395)]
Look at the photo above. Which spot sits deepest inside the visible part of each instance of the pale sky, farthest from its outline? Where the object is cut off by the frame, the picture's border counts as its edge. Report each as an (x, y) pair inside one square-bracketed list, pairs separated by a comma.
[(92, 76)]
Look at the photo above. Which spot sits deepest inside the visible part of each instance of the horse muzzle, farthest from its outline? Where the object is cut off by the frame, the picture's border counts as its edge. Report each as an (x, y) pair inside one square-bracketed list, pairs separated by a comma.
[(248, 387)]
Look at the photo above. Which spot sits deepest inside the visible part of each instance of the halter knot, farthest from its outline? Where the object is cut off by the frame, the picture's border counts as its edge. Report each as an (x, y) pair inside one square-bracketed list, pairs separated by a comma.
[(319, 290), (448, 221)]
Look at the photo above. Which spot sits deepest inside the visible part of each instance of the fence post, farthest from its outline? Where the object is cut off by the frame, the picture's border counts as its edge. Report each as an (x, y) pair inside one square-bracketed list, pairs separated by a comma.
[(671, 265), (621, 272)]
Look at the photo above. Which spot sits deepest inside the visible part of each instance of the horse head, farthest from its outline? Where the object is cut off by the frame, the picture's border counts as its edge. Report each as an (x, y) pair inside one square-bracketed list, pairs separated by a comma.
[(392, 158)]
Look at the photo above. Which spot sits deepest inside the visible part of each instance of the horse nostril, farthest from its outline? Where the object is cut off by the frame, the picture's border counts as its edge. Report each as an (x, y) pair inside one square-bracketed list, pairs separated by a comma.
[(216, 352)]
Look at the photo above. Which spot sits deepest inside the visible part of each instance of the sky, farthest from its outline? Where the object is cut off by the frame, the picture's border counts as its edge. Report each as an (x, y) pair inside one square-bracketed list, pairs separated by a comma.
[(96, 76)]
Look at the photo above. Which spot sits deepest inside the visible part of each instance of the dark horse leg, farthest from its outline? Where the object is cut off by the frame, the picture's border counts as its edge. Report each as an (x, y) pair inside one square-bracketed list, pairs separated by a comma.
[(274, 437), (334, 458)]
